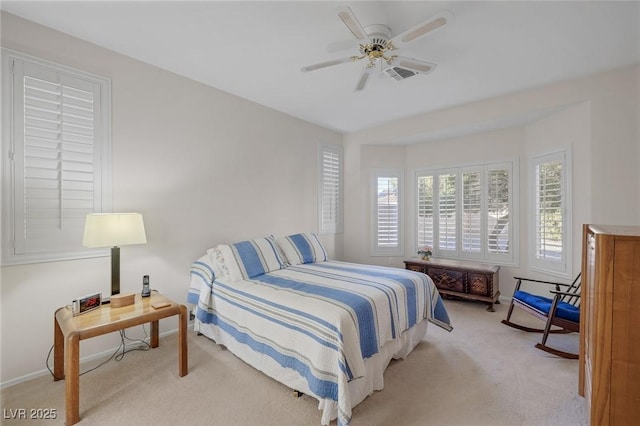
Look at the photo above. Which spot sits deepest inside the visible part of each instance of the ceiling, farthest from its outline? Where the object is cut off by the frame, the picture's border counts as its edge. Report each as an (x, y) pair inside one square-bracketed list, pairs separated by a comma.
[(255, 49)]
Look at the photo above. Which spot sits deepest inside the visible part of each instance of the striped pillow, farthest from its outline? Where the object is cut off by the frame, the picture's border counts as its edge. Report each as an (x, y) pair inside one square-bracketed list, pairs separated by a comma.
[(302, 248), (248, 259)]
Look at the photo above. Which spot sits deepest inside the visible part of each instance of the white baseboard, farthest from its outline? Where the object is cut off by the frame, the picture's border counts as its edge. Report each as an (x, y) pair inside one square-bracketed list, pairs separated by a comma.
[(86, 359), (504, 299)]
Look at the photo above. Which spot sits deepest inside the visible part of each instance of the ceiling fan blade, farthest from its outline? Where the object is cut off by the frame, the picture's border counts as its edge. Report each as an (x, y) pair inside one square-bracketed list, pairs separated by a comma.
[(364, 78), (326, 64), (341, 46), (432, 24), (415, 65), (350, 20)]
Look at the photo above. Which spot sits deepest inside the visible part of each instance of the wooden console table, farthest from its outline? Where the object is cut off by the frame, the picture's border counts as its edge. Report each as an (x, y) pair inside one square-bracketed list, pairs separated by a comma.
[(69, 330), (460, 278)]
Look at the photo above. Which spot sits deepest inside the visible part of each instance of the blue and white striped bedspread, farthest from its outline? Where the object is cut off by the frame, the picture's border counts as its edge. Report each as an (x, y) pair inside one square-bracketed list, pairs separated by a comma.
[(319, 319)]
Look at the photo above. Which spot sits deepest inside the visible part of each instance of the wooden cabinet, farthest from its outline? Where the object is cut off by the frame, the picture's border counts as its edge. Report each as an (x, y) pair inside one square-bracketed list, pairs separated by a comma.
[(610, 324), (468, 280)]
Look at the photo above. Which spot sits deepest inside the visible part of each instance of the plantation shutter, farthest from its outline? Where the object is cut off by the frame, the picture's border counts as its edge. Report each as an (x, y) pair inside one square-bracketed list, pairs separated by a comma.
[(386, 213), (425, 211), (57, 159), (447, 212), (330, 189), (549, 224), (498, 210), (471, 212), (466, 212)]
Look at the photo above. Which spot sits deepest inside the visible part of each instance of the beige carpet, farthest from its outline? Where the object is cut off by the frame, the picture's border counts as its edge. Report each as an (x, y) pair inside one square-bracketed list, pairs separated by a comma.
[(483, 373)]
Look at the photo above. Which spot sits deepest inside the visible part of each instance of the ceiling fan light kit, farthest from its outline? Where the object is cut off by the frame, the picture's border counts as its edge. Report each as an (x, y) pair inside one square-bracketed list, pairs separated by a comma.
[(377, 46)]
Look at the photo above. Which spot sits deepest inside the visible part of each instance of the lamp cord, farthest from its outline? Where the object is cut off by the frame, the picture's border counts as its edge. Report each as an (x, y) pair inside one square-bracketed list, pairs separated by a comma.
[(118, 354)]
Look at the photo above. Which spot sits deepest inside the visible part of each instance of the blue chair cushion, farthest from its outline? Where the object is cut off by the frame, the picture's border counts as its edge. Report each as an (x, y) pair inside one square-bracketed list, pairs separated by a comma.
[(543, 305)]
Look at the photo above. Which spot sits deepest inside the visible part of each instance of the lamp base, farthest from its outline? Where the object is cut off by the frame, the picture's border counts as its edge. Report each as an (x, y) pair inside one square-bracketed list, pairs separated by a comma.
[(120, 300)]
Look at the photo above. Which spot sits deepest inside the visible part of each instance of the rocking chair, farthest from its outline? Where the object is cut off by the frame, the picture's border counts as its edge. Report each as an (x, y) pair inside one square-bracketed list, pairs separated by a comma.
[(562, 310)]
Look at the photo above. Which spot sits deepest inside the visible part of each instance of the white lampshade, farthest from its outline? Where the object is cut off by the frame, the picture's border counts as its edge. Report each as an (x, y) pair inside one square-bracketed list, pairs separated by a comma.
[(113, 229)]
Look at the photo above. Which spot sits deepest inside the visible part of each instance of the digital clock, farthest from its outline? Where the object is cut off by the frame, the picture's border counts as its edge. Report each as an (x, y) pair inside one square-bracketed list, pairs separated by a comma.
[(86, 303)]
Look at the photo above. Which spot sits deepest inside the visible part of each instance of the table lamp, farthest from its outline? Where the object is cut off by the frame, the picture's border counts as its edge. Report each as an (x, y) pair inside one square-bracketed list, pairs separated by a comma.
[(113, 230)]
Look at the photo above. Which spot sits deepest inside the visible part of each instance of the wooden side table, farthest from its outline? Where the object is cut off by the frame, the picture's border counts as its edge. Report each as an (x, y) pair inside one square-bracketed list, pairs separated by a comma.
[(69, 330)]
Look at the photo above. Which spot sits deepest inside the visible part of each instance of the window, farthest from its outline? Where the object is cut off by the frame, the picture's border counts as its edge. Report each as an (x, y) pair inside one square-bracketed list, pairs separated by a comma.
[(471, 225), (56, 158), (426, 210), (498, 210), (466, 212), (551, 225), (447, 212), (386, 197), (330, 191)]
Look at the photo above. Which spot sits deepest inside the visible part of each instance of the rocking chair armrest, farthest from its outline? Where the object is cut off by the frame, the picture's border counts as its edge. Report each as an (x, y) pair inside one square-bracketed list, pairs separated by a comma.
[(564, 293), (542, 282), (522, 280)]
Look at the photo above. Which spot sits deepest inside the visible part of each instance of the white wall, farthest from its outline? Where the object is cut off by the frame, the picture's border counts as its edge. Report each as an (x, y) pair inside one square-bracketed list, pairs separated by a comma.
[(566, 129), (596, 116), (615, 112), (376, 157), (201, 165)]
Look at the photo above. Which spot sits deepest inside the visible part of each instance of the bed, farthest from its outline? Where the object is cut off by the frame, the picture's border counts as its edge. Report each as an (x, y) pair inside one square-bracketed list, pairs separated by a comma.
[(322, 327)]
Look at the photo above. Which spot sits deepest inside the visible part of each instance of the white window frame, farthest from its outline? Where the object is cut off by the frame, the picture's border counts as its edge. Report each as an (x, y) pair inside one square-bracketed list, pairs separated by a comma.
[(376, 249), (561, 268), (416, 211), (437, 250), (482, 253), (507, 259), (330, 207), (57, 246), (514, 232)]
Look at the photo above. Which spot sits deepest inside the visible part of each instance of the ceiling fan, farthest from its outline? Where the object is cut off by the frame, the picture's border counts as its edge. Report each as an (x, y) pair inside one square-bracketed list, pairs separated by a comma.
[(377, 46)]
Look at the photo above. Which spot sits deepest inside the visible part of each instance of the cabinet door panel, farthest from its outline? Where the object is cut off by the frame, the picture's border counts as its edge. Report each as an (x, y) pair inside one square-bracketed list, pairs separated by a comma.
[(625, 350), (448, 279), (479, 284)]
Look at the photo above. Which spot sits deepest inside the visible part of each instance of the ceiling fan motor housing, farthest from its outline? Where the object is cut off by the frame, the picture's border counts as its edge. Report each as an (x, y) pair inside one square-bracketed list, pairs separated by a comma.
[(379, 34)]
